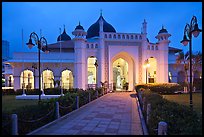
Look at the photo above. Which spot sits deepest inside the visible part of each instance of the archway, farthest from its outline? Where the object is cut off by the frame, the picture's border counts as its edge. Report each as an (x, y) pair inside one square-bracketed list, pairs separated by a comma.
[(67, 79), (47, 78), (129, 63), (152, 70), (120, 74), (92, 72), (27, 79)]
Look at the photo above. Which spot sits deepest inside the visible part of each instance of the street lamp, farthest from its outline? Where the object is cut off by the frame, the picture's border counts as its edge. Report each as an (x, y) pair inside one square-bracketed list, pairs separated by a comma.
[(146, 65), (96, 65), (188, 31), (42, 45)]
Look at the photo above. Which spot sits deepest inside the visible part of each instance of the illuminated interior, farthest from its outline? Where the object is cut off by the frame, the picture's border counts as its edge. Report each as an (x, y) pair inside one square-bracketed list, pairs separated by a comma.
[(28, 79), (91, 70), (152, 70), (120, 73), (67, 79), (47, 78)]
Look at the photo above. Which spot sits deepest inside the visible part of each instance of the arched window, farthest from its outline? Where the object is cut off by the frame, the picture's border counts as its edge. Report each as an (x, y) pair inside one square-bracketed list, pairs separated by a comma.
[(96, 46), (136, 37), (27, 79), (91, 70), (131, 36), (127, 36), (148, 47), (140, 37), (47, 79), (92, 46), (152, 47), (110, 36), (156, 47), (123, 36), (118, 36), (114, 36), (67, 79), (87, 46), (105, 35)]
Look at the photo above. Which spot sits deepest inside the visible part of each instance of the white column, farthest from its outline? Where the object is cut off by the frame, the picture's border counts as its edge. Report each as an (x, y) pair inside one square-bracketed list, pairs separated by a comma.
[(79, 65), (101, 56)]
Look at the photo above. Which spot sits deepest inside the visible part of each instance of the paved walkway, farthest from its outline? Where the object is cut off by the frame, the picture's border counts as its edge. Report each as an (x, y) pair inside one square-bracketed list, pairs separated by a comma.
[(111, 114)]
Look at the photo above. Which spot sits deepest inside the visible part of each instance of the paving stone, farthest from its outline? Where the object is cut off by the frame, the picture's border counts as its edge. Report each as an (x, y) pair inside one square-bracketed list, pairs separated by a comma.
[(115, 113)]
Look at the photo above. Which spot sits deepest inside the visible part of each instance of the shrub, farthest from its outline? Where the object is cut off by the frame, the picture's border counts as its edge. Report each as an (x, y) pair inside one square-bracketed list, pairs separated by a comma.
[(8, 92), (161, 88), (181, 119)]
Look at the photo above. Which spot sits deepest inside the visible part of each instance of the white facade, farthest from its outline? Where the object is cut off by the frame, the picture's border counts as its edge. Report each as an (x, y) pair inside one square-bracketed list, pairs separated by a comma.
[(120, 58)]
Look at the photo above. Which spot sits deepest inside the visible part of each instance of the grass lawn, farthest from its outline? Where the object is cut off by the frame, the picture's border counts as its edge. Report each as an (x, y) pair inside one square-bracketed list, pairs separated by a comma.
[(10, 103), (185, 100)]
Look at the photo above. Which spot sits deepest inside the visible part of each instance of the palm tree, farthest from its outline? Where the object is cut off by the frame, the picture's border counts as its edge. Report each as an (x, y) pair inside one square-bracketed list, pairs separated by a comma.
[(184, 59)]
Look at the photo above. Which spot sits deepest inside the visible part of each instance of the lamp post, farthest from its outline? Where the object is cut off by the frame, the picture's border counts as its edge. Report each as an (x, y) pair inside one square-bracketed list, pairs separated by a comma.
[(42, 45), (190, 29), (146, 65), (34, 66), (96, 65)]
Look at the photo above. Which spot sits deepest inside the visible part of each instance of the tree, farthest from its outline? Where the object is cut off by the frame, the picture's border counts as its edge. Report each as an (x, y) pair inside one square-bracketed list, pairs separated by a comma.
[(185, 60)]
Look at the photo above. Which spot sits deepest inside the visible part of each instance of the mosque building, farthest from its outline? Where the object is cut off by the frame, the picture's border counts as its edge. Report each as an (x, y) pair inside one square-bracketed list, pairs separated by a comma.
[(100, 54)]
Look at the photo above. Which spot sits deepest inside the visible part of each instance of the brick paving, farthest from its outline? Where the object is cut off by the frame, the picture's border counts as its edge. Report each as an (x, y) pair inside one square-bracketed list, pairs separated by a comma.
[(112, 114)]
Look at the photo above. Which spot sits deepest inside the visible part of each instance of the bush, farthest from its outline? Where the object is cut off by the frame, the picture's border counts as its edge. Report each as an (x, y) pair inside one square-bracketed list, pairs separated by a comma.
[(181, 119), (29, 113), (161, 88), (8, 92)]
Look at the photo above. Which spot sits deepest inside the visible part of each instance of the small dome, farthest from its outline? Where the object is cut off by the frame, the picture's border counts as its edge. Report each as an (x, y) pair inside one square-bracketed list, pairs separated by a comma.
[(163, 30), (79, 27), (63, 36), (94, 28)]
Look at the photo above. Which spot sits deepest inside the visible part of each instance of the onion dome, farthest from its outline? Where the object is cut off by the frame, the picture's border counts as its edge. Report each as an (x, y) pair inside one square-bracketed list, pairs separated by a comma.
[(79, 27), (63, 36), (163, 30), (93, 30)]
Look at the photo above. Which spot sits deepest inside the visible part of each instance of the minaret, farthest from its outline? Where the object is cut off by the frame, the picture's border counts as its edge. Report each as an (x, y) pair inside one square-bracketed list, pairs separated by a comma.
[(163, 49), (144, 27), (101, 53), (79, 57)]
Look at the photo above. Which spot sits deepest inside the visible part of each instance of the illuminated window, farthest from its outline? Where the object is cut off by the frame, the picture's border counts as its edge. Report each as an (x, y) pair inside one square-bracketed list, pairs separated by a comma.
[(27, 79)]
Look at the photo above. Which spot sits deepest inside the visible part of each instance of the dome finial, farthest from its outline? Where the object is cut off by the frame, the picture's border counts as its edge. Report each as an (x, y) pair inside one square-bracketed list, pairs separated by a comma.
[(79, 23), (162, 26), (101, 12)]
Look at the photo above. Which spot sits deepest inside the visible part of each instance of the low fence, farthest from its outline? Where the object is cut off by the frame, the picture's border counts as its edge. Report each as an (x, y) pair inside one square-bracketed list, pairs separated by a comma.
[(162, 125), (13, 121)]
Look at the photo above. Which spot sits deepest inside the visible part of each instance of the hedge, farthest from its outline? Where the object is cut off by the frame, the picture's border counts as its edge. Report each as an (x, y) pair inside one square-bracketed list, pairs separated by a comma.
[(161, 88), (181, 119), (45, 106)]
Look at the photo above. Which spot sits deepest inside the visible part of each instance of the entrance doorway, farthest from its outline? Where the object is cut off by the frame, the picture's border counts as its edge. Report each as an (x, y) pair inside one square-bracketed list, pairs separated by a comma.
[(120, 75)]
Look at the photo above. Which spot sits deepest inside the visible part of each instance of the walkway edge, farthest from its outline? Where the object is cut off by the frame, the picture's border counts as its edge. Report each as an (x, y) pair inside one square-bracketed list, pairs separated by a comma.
[(65, 116), (144, 127)]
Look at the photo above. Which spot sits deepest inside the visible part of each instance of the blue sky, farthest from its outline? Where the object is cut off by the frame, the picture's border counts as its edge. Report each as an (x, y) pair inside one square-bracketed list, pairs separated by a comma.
[(125, 17)]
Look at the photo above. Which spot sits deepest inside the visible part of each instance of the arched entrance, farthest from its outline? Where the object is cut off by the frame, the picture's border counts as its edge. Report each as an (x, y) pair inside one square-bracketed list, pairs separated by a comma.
[(47, 78), (27, 79), (67, 79), (92, 71), (122, 72), (152, 70)]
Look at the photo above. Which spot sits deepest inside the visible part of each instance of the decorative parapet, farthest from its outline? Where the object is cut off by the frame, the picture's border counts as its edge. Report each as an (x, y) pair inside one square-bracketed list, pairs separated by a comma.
[(90, 45), (122, 36)]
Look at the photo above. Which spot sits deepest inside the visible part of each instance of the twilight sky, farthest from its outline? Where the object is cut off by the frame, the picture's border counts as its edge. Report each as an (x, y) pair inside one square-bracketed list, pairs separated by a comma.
[(125, 17)]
